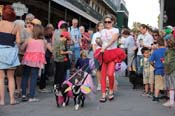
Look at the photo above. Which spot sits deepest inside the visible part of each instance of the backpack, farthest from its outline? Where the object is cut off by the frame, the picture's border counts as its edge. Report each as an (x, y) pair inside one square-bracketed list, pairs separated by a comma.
[(56, 38)]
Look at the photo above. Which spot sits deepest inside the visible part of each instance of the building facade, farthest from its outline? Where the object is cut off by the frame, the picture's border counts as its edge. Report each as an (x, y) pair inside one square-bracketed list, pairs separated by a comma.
[(167, 8), (88, 12)]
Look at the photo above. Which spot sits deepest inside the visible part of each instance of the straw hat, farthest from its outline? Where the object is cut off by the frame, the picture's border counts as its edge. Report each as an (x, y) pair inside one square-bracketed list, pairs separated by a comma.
[(36, 22)]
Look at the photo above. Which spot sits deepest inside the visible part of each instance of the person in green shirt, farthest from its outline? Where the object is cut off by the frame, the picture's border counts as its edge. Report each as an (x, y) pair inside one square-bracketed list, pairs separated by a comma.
[(61, 55)]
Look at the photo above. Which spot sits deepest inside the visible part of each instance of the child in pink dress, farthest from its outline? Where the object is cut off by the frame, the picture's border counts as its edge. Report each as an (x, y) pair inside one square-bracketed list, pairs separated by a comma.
[(33, 60)]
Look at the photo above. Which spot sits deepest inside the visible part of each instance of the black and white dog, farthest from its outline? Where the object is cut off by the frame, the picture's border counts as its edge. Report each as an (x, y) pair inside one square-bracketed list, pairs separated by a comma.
[(62, 98), (63, 95), (79, 95)]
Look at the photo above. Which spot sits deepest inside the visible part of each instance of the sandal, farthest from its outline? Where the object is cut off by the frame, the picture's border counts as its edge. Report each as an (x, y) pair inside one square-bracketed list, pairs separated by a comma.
[(110, 97), (103, 100), (14, 103)]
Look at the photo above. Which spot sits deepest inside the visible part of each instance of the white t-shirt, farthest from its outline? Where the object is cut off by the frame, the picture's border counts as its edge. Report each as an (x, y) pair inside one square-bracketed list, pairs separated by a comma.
[(130, 44), (122, 42), (147, 40), (95, 35), (106, 36)]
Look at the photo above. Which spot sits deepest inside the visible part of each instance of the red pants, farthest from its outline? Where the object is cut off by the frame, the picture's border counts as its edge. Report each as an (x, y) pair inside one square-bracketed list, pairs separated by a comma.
[(107, 70)]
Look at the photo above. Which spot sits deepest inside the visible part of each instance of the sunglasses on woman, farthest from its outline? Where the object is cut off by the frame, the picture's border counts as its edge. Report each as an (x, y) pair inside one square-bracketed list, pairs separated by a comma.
[(107, 22)]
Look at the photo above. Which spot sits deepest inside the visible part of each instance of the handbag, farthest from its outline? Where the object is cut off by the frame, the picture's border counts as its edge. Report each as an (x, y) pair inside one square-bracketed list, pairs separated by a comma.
[(8, 54)]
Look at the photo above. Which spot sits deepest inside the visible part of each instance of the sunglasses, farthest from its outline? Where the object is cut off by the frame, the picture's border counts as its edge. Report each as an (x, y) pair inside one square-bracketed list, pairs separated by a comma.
[(28, 26), (155, 35), (107, 22)]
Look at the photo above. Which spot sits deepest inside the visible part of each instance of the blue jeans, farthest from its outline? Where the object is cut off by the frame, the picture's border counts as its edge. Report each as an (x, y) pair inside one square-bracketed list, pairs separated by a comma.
[(76, 52), (32, 73)]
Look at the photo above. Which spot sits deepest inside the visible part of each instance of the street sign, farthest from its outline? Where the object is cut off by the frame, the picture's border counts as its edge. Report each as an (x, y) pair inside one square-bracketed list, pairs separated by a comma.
[(20, 9)]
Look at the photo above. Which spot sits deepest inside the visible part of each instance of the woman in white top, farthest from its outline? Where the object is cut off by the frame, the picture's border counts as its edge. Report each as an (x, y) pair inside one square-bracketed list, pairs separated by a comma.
[(99, 28), (110, 54)]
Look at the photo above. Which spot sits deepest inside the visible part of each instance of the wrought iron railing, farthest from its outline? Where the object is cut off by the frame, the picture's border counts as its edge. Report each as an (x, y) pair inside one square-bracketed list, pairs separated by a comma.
[(111, 4), (81, 4)]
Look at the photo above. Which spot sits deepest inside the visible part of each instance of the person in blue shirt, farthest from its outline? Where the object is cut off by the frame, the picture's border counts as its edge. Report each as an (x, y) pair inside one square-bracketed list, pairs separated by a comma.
[(157, 60), (83, 61), (75, 37)]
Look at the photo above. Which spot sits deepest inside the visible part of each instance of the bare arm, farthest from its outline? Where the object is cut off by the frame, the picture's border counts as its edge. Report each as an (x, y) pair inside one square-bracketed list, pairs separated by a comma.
[(94, 46), (24, 45), (49, 47), (18, 38), (65, 52)]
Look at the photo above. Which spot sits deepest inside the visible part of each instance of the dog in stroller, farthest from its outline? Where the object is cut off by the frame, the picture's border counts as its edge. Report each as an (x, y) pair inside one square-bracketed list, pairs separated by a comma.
[(62, 97), (83, 85)]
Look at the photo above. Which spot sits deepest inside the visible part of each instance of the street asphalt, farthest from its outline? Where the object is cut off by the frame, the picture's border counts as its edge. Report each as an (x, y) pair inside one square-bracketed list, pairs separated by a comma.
[(127, 102)]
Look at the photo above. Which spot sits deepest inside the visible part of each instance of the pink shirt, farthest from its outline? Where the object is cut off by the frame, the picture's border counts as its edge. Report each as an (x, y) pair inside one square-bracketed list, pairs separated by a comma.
[(35, 54), (35, 46)]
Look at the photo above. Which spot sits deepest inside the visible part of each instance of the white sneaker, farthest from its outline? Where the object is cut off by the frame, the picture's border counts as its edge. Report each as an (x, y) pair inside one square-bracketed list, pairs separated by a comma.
[(145, 94), (168, 104), (33, 100), (77, 107)]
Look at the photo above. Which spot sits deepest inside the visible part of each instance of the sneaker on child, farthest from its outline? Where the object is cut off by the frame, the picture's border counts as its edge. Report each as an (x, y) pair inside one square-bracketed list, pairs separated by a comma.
[(156, 99), (144, 94), (150, 94)]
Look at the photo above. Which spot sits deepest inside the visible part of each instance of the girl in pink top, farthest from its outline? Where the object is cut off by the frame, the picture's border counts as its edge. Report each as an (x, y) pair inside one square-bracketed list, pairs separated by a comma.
[(33, 60)]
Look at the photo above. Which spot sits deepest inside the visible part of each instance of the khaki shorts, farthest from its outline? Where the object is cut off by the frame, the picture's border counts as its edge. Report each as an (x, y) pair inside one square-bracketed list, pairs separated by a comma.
[(149, 79), (159, 82)]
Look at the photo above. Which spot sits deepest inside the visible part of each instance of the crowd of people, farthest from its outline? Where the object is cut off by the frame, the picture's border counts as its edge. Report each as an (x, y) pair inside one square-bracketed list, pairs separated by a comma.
[(152, 52), (28, 51)]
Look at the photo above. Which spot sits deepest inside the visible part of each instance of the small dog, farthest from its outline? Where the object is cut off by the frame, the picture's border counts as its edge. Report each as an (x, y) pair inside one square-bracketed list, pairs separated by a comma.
[(61, 96), (135, 79), (77, 89), (79, 96)]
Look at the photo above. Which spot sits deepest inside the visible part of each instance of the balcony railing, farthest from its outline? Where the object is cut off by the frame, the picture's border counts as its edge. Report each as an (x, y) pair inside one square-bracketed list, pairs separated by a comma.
[(122, 7), (111, 4), (81, 4)]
